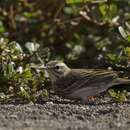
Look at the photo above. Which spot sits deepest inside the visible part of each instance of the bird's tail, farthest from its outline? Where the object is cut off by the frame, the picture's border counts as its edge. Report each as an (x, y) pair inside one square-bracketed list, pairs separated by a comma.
[(121, 81)]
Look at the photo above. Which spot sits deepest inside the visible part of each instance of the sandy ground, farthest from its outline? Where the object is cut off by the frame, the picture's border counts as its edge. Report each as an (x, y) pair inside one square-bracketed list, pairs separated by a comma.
[(65, 115)]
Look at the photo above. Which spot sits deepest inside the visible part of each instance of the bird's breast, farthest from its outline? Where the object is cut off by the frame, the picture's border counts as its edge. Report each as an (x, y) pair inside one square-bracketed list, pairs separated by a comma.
[(63, 85)]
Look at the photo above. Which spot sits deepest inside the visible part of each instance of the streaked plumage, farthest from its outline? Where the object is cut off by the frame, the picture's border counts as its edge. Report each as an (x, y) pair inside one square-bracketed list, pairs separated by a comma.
[(81, 83)]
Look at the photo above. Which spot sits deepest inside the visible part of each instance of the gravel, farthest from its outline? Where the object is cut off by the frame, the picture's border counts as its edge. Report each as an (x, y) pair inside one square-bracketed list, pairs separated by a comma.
[(59, 114)]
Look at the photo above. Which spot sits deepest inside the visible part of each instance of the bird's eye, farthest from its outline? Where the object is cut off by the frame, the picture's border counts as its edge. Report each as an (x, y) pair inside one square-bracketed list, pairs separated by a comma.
[(57, 67)]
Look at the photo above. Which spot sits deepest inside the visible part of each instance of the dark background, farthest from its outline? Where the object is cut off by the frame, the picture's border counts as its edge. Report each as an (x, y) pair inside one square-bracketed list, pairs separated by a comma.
[(91, 39), (84, 35)]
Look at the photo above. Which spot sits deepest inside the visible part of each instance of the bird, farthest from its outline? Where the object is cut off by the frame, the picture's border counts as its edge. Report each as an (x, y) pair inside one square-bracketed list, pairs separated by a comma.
[(81, 84)]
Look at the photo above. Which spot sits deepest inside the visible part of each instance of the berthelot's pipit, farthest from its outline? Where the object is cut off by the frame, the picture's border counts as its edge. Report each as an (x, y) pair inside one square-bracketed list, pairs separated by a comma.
[(81, 83)]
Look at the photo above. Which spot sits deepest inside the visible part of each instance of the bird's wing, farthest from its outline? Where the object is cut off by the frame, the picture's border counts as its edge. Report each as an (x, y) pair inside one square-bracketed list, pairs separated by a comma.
[(93, 74), (88, 79)]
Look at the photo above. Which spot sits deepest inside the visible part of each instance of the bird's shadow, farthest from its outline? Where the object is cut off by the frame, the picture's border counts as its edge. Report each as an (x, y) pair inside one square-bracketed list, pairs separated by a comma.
[(58, 100), (94, 103), (112, 102)]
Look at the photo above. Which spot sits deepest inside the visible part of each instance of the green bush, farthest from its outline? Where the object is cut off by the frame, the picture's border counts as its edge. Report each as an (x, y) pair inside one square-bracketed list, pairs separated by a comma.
[(17, 77), (94, 35)]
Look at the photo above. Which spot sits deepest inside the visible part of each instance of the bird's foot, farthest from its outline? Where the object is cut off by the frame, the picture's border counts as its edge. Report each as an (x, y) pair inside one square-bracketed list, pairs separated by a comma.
[(92, 98), (89, 100)]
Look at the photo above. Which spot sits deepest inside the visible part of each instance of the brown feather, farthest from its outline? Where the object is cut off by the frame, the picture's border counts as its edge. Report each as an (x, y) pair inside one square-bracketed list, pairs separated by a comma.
[(82, 83), (80, 78)]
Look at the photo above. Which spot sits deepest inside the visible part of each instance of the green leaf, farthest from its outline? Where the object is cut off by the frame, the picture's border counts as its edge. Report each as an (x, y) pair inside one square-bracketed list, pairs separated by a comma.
[(68, 10), (23, 93), (119, 96), (27, 74), (32, 47), (112, 93), (128, 38), (84, 1), (45, 93), (11, 69), (2, 28), (112, 10), (108, 11), (113, 57), (122, 32), (127, 51), (127, 25), (103, 9)]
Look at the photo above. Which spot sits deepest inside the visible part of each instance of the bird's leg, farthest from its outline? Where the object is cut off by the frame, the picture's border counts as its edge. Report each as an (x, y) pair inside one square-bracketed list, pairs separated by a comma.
[(88, 100), (92, 98)]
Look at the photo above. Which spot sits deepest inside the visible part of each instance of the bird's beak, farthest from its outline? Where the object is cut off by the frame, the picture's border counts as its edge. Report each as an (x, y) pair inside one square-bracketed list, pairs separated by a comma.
[(46, 67), (39, 67), (43, 67)]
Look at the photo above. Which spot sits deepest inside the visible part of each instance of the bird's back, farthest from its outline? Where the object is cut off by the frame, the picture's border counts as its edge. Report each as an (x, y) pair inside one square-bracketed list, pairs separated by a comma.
[(79, 79)]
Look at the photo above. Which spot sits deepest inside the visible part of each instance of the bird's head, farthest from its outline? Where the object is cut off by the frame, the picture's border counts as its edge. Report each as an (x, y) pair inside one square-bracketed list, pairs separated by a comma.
[(57, 69)]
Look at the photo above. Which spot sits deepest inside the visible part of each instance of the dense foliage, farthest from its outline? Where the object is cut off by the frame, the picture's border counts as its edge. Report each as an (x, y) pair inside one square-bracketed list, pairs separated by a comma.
[(83, 35)]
